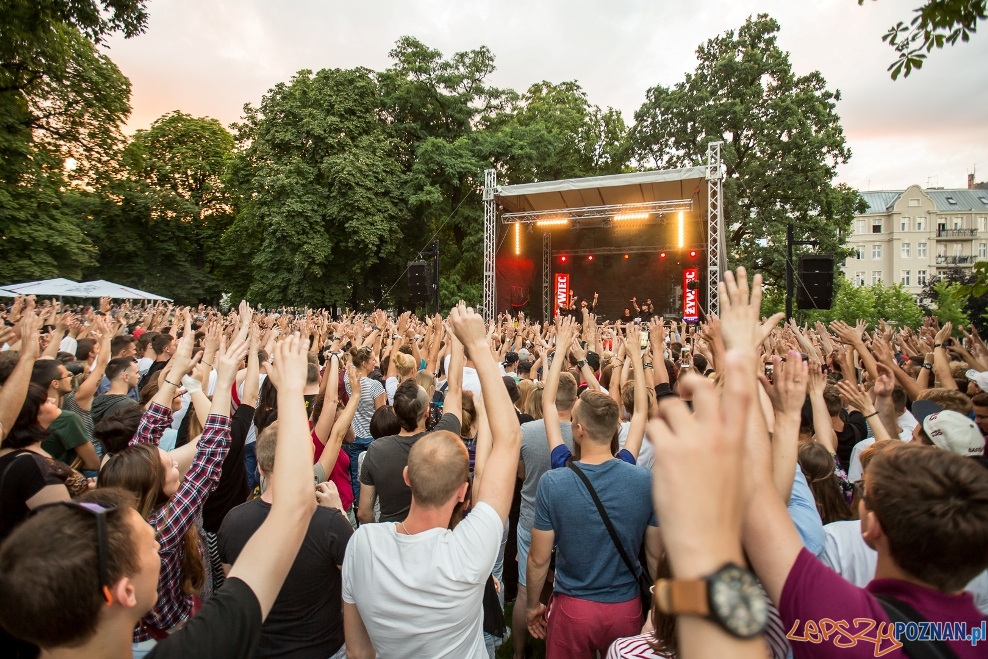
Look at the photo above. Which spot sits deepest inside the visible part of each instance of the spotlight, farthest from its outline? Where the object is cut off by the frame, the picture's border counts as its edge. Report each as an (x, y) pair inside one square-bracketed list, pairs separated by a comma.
[(531, 228), (682, 230), (576, 223), (662, 255), (625, 256), (551, 223), (590, 258), (606, 223), (692, 253), (563, 258)]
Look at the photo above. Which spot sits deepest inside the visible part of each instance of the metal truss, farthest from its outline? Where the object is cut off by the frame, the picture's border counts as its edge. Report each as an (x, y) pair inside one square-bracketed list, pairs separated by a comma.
[(657, 208), (639, 249), (716, 255), (490, 241), (546, 277)]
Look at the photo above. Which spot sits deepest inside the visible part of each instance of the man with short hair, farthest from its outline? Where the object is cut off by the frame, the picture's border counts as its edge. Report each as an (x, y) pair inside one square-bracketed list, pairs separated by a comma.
[(387, 457), (415, 588), (62, 600), (163, 346), (67, 437), (86, 351), (123, 377), (307, 617), (122, 345), (981, 412)]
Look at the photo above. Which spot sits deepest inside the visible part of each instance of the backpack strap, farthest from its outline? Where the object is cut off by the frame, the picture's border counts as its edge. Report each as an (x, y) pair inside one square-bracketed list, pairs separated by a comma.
[(899, 611), (607, 520)]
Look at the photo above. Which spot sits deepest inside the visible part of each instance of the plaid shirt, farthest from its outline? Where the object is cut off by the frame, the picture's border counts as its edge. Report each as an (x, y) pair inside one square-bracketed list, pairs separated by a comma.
[(183, 510)]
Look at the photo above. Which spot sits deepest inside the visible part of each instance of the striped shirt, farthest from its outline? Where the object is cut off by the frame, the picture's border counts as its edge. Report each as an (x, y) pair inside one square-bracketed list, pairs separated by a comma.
[(369, 390), (175, 518)]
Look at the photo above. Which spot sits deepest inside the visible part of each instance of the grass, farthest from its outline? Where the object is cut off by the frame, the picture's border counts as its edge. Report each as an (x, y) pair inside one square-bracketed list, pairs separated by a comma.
[(534, 648)]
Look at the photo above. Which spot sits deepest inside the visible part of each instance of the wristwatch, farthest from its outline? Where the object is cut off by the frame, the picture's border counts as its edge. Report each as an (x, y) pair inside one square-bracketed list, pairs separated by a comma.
[(929, 366), (732, 597), (581, 363)]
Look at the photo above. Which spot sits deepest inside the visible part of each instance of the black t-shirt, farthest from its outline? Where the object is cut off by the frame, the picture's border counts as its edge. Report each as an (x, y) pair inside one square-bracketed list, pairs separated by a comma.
[(306, 620), (232, 489), (855, 429), (384, 463), (228, 626), (152, 373), (22, 475), (626, 318)]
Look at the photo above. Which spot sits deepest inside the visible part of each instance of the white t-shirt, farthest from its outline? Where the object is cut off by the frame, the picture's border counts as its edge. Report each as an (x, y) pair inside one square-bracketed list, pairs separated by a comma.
[(390, 387), (422, 595), (646, 456), (471, 381), (907, 422), (846, 553)]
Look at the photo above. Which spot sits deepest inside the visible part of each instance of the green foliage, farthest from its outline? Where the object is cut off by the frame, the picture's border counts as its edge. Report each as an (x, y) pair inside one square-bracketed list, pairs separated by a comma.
[(782, 144), (849, 304), (950, 306), (967, 290), (321, 216), (936, 24)]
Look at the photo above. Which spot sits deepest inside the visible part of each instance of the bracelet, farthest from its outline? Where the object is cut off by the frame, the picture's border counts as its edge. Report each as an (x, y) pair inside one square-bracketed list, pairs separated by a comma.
[(872, 414), (646, 365), (937, 345), (171, 383), (207, 364)]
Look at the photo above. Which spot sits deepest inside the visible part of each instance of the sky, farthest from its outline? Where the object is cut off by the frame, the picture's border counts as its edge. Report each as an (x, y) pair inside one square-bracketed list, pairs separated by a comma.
[(210, 57)]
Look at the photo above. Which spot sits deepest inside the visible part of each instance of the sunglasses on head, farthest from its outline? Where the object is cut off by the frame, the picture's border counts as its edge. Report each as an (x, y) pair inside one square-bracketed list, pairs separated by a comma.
[(99, 512)]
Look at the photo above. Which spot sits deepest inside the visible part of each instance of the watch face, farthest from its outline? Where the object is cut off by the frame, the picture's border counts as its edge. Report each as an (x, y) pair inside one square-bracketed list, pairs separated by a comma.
[(737, 601)]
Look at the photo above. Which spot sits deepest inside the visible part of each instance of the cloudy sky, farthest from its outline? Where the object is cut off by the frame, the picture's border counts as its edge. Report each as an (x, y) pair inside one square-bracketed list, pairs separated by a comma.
[(209, 57)]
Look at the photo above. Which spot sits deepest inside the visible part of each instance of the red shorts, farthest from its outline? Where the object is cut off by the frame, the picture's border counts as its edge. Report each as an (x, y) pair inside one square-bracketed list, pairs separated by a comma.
[(579, 628)]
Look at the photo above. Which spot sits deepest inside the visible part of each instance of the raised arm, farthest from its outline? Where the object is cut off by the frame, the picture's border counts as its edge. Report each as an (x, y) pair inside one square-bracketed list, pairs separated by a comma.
[(941, 360), (331, 452), (327, 415), (14, 390), (269, 554), (860, 400), (550, 414), (501, 469), (453, 402), (636, 431), (822, 426), (87, 390), (787, 393), (581, 361)]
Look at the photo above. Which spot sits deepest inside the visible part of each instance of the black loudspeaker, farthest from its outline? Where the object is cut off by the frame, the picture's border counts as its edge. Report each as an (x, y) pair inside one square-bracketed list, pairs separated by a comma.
[(815, 281), (420, 282)]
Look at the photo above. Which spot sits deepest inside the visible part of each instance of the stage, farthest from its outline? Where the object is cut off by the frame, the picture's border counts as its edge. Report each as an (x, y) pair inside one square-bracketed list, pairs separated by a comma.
[(638, 235)]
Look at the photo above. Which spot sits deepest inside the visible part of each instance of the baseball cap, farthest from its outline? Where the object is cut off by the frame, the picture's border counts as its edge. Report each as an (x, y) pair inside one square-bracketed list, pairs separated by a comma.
[(510, 358), (954, 432), (924, 408), (524, 355), (979, 378)]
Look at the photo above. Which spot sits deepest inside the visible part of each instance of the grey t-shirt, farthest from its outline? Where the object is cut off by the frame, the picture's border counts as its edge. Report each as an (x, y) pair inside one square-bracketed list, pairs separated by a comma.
[(535, 455), (386, 459)]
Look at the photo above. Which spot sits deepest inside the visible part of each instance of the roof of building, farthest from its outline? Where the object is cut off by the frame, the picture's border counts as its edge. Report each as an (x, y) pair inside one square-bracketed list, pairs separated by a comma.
[(882, 201)]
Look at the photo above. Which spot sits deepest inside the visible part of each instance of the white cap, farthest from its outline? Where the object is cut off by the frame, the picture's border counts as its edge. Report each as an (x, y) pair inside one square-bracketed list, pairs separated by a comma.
[(954, 432), (979, 378)]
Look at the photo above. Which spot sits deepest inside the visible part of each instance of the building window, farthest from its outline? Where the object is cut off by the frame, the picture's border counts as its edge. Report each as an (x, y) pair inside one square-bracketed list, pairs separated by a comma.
[(876, 276), (983, 224), (876, 225), (958, 222), (876, 252), (921, 277), (905, 278), (905, 250), (941, 224), (914, 202), (983, 250), (921, 250), (859, 278), (920, 224), (941, 249), (904, 224), (861, 252), (859, 226)]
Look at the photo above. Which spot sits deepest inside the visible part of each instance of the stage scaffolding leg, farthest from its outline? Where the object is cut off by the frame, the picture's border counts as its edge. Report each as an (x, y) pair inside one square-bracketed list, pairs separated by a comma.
[(546, 277), (716, 248), (490, 243)]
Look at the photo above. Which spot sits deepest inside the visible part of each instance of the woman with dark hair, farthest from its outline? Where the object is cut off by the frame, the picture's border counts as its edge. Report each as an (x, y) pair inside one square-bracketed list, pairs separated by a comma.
[(29, 477), (384, 423), (818, 466), (372, 396), (170, 493)]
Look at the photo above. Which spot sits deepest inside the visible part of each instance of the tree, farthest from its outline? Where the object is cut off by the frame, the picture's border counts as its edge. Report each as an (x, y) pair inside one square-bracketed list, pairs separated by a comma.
[(937, 23), (965, 292), (321, 219), (782, 141)]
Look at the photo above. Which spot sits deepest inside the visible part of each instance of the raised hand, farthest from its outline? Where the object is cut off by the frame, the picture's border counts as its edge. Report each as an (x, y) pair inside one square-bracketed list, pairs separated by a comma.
[(856, 396), (788, 392), (468, 326), (290, 368), (943, 334), (565, 332), (739, 317)]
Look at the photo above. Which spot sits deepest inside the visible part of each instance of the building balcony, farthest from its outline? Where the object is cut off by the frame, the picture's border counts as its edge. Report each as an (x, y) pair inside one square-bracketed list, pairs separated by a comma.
[(955, 260), (957, 233)]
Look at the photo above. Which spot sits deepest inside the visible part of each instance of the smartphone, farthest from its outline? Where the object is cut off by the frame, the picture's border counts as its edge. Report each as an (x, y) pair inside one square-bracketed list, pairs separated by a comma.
[(644, 341)]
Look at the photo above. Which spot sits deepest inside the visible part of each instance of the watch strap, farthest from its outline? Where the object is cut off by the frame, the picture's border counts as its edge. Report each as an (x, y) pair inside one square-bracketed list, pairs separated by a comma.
[(581, 363), (683, 597)]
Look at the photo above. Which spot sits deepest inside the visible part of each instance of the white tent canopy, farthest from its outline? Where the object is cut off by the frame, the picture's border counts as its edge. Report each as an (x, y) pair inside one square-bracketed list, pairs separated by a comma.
[(87, 289), (5, 293), (44, 287), (103, 288)]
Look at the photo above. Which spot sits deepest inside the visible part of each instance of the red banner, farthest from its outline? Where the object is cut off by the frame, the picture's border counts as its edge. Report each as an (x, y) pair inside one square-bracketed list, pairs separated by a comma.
[(691, 299), (562, 291)]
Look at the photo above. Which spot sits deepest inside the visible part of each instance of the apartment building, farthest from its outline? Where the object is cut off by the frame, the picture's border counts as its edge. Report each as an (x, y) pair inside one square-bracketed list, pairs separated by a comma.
[(911, 235)]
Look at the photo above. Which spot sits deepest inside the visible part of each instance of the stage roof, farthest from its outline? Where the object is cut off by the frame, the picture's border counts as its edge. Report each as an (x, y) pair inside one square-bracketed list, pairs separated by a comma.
[(616, 189)]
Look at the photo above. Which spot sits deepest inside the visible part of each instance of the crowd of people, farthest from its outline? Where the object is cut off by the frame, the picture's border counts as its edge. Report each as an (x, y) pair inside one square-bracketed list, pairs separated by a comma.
[(184, 482)]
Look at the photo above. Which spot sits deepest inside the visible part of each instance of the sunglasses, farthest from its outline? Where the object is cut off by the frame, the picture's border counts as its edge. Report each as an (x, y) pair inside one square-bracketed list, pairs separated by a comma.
[(99, 512)]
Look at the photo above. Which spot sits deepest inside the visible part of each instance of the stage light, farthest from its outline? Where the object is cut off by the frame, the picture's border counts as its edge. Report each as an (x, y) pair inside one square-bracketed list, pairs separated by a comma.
[(531, 228), (625, 256), (590, 258), (563, 258), (551, 223), (692, 253), (662, 255), (682, 231), (631, 216), (606, 223), (517, 239)]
